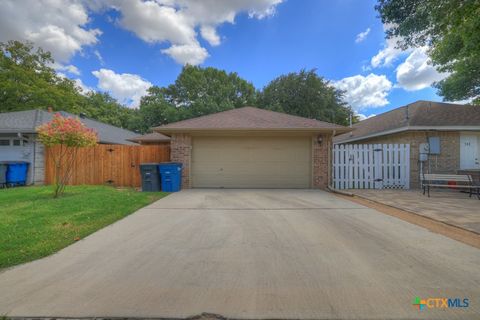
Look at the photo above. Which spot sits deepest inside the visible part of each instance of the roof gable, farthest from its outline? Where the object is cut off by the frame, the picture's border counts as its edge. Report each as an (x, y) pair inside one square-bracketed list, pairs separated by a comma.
[(249, 118)]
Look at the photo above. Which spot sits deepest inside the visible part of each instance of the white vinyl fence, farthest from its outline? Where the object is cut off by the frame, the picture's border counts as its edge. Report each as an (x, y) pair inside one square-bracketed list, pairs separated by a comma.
[(371, 166)]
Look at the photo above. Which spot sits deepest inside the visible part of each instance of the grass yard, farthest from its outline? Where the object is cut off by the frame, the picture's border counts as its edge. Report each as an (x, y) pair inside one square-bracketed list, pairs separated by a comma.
[(33, 224)]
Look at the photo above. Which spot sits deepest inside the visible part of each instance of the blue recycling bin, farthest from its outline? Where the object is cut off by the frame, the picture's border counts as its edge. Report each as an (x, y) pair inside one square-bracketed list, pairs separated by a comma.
[(17, 173), (171, 176)]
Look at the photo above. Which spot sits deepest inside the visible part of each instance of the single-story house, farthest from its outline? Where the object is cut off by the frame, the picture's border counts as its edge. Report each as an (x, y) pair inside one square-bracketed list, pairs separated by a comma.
[(151, 139), (252, 148), (447, 135), (18, 138)]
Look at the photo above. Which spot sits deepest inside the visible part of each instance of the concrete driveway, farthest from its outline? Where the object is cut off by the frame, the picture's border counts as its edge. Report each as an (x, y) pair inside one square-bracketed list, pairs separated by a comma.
[(300, 254)]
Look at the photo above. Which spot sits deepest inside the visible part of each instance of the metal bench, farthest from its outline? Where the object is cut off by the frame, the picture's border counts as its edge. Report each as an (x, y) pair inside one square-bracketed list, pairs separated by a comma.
[(462, 181)]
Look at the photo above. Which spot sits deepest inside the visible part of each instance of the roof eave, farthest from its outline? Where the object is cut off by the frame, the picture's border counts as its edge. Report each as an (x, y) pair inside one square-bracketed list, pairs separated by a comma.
[(339, 130), (410, 128)]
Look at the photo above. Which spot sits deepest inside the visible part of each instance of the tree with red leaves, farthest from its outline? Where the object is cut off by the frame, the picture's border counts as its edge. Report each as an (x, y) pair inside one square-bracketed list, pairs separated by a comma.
[(68, 134)]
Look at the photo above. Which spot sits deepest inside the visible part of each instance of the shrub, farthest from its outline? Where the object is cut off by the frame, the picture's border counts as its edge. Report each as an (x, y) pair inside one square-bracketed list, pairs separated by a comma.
[(68, 134)]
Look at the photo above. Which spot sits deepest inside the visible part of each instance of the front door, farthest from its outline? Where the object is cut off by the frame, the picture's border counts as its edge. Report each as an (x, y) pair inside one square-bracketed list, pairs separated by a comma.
[(469, 151)]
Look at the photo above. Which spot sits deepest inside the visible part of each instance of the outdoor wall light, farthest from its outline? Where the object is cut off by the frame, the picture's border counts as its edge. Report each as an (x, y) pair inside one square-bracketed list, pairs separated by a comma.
[(319, 139)]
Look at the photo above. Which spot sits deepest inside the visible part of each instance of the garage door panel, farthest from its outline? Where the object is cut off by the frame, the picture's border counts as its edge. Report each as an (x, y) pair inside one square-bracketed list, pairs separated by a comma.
[(248, 181), (251, 162)]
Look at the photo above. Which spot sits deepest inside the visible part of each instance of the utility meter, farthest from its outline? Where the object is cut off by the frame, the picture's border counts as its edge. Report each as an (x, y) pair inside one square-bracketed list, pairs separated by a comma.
[(424, 150)]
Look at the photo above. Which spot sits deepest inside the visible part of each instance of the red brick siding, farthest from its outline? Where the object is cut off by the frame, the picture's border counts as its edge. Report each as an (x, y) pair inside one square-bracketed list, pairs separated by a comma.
[(181, 151), (320, 162)]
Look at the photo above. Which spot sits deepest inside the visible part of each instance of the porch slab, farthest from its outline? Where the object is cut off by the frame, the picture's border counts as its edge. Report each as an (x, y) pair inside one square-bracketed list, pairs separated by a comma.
[(451, 207)]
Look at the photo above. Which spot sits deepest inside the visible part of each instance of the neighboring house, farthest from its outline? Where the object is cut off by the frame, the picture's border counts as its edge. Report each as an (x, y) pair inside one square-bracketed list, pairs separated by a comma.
[(450, 131), (18, 138), (151, 138), (252, 148)]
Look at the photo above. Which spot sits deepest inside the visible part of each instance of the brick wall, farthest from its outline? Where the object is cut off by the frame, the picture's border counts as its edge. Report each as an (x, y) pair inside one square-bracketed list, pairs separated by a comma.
[(448, 161), (320, 162), (181, 151)]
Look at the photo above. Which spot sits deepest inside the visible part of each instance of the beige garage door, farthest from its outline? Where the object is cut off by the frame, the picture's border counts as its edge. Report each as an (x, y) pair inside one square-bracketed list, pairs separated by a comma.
[(251, 162)]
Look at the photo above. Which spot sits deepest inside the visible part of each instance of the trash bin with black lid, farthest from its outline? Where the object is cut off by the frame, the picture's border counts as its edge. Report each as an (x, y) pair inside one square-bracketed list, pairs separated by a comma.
[(150, 177), (17, 172), (171, 175)]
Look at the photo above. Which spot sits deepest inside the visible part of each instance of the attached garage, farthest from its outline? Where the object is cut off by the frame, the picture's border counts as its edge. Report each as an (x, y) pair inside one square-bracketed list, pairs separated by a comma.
[(252, 148), (251, 162)]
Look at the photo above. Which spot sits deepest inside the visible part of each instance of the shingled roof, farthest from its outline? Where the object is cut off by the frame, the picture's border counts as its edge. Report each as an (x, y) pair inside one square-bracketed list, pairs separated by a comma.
[(250, 119), (150, 137), (420, 115), (27, 122)]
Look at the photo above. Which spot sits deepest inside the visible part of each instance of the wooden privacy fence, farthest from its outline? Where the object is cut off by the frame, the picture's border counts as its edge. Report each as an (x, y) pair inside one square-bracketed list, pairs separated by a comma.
[(116, 165), (371, 166)]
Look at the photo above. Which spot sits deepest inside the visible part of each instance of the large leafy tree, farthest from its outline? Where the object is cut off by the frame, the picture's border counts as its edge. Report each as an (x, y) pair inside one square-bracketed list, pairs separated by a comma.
[(28, 82), (450, 28), (104, 108), (307, 95), (197, 91), (155, 110)]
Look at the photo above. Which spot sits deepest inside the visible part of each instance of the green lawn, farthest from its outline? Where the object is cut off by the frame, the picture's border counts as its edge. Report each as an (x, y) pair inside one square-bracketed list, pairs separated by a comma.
[(33, 224)]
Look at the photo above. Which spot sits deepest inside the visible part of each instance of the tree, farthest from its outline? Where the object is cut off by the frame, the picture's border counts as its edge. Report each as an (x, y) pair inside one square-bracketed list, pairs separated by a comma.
[(450, 29), (305, 94), (197, 91), (103, 107), (155, 110), (28, 81), (68, 135)]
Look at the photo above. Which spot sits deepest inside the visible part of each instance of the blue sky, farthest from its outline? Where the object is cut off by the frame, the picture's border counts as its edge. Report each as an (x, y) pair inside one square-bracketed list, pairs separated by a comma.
[(125, 46)]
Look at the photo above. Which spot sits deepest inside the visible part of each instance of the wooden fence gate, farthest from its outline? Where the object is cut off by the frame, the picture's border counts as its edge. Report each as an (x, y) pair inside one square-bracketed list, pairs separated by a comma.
[(371, 166), (116, 165)]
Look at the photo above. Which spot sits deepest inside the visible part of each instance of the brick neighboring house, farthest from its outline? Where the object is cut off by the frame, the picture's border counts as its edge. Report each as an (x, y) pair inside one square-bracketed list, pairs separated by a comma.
[(454, 128), (252, 148)]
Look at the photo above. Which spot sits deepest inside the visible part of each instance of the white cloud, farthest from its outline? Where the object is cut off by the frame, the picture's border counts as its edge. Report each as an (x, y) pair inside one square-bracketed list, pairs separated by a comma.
[(210, 34), (125, 87), (388, 55), (362, 117), (192, 54), (154, 22), (84, 89), (416, 72), (99, 57), (57, 26), (70, 68), (176, 21), (362, 36), (365, 91)]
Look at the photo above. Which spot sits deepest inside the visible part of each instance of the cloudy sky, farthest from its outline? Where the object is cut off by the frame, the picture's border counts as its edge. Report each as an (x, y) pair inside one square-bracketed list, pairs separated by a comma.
[(125, 46)]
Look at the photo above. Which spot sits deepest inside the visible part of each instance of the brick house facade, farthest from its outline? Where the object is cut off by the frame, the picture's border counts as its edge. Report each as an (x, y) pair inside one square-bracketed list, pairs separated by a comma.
[(181, 151), (448, 161), (456, 126)]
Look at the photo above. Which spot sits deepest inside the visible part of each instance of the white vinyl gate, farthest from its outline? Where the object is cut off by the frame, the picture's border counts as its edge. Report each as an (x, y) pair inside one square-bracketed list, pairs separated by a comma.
[(371, 166)]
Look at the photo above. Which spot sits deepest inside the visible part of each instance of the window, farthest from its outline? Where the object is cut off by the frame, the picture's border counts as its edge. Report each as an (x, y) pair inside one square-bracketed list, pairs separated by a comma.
[(4, 142), (17, 142)]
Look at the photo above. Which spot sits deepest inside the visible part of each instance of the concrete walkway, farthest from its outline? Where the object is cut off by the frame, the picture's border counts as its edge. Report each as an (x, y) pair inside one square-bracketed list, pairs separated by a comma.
[(449, 206), (300, 254)]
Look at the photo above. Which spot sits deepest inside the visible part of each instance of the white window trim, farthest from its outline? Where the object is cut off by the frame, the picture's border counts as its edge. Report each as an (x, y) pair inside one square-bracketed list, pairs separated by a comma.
[(11, 139)]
